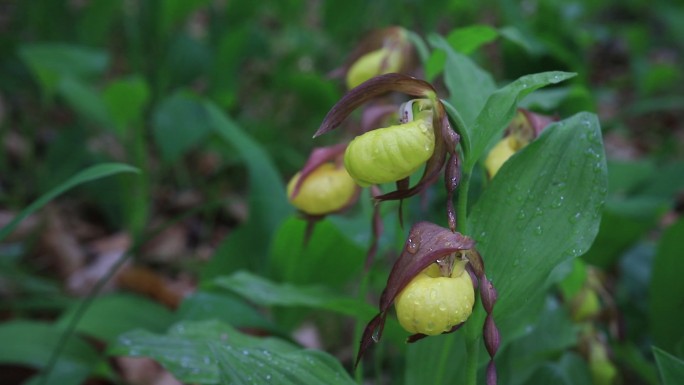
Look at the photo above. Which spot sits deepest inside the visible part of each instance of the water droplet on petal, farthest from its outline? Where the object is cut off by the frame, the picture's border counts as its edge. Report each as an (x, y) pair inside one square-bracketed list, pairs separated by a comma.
[(376, 334), (412, 245)]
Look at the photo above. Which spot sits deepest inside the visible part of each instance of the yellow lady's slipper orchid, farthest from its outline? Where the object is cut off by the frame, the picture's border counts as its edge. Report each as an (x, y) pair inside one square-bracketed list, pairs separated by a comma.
[(327, 189), (432, 304)]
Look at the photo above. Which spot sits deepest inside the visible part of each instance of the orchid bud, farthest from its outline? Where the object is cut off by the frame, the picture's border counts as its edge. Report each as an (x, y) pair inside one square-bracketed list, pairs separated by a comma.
[(385, 51), (500, 154), (603, 371), (585, 306), (392, 153), (432, 303), (326, 189), (382, 61), (522, 129)]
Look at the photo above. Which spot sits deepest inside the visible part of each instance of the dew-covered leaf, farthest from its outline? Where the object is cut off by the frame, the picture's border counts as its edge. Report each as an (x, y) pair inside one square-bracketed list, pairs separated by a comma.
[(260, 366), (541, 209), (211, 352)]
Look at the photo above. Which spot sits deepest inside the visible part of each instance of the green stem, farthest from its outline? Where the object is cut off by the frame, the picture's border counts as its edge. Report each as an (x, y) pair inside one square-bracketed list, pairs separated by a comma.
[(472, 343), (472, 355), (441, 363)]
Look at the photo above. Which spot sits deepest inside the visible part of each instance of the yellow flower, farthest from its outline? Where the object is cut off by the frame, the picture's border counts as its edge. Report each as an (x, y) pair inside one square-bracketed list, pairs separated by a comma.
[(432, 304), (327, 189), (500, 153)]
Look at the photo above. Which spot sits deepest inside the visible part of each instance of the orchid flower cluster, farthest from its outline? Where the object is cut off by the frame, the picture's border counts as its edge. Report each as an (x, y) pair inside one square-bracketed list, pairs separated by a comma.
[(433, 283)]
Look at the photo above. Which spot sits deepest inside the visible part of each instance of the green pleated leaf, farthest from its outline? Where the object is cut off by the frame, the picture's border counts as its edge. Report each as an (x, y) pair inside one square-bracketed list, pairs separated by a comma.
[(437, 360), (212, 352), (666, 294), (126, 100), (31, 343), (179, 123), (51, 63), (264, 292), (261, 366), (670, 367), (268, 205), (499, 109), (547, 338), (294, 262), (86, 101), (89, 174), (113, 314), (542, 208), (224, 307), (571, 369)]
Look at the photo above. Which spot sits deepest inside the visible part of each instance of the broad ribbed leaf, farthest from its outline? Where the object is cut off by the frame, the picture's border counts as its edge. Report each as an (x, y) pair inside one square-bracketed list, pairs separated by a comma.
[(211, 352), (31, 343), (670, 367), (541, 209), (260, 366), (667, 290), (110, 315)]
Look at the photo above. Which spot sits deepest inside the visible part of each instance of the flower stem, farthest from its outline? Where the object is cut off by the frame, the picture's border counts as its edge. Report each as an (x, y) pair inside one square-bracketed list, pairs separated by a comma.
[(472, 344), (472, 355), (462, 205)]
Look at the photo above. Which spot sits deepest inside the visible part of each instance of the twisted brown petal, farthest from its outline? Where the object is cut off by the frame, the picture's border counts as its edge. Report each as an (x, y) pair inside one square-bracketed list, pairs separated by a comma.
[(371, 89)]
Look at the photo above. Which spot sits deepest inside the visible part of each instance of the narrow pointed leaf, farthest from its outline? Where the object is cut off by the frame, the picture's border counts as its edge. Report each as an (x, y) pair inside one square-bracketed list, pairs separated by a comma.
[(468, 84), (500, 108), (89, 174)]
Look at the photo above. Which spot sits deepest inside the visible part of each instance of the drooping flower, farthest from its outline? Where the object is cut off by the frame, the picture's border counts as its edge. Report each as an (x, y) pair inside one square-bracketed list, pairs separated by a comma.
[(433, 303), (393, 153), (327, 189), (432, 287)]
